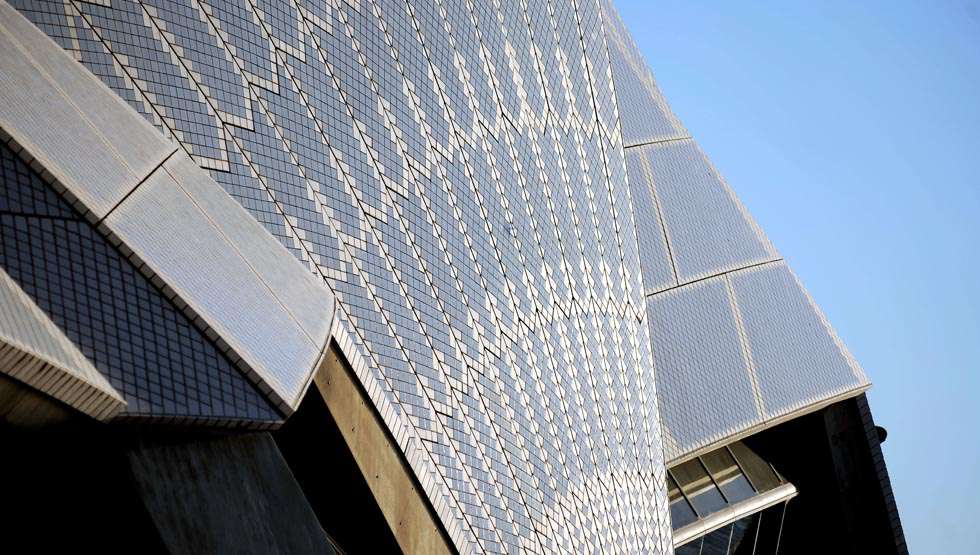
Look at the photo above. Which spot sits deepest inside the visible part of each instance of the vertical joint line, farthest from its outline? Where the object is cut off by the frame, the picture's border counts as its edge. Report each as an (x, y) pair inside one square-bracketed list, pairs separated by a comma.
[(648, 173), (746, 349)]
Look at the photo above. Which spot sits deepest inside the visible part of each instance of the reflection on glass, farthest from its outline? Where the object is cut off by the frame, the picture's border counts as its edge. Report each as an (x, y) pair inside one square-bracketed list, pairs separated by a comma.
[(715, 481), (743, 535), (690, 548), (698, 487), (728, 475), (716, 543), (762, 476), (681, 513), (769, 528)]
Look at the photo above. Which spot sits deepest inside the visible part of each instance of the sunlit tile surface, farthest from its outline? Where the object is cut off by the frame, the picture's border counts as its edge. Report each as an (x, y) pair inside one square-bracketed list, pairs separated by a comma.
[(517, 228), (455, 171)]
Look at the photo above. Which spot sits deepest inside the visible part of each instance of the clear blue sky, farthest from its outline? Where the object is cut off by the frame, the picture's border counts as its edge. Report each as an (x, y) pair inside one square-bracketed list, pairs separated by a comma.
[(851, 130)]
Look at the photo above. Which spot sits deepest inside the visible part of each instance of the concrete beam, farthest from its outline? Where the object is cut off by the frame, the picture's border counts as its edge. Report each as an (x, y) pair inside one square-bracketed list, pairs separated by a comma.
[(225, 495), (393, 484)]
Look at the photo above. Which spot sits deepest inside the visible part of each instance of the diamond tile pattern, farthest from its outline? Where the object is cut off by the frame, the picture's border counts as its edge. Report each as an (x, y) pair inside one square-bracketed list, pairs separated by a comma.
[(454, 169), (517, 227)]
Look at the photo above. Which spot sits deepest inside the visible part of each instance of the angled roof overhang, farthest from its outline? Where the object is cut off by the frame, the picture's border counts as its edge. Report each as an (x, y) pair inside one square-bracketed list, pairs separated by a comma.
[(738, 343), (233, 279), (720, 487)]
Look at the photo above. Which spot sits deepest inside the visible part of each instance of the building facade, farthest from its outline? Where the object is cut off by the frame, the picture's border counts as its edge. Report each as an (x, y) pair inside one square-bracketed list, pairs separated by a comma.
[(424, 275)]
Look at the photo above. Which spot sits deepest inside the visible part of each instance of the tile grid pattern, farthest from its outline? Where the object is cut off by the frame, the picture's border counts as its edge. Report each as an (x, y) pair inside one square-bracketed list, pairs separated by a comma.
[(149, 351), (213, 262), (34, 351), (455, 170), (738, 343)]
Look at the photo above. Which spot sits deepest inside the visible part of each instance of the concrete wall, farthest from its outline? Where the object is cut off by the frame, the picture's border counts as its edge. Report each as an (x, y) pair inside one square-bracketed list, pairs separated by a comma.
[(225, 495)]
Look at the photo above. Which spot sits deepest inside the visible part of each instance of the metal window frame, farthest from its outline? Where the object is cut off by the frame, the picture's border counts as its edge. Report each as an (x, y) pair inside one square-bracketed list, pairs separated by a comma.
[(728, 515)]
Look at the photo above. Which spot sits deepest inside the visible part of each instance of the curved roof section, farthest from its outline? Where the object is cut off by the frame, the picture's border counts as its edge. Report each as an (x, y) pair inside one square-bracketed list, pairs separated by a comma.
[(235, 282), (136, 337), (455, 171), (738, 343)]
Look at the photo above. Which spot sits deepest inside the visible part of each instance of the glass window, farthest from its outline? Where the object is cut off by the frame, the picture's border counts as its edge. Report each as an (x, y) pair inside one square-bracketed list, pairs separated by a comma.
[(728, 475), (716, 543), (770, 526), (759, 472), (743, 535), (681, 513), (692, 547), (698, 487)]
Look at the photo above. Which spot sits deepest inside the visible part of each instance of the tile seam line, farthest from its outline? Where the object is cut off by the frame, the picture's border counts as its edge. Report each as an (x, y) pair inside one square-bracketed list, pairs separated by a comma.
[(659, 142), (595, 220), (73, 4), (320, 348), (604, 20), (15, 214), (594, 448), (547, 101), (151, 106), (300, 243), (487, 506), (591, 79), (99, 224), (523, 497), (509, 121), (647, 169), (67, 98), (168, 38), (247, 160), (286, 68), (712, 276), (102, 221), (743, 340)]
